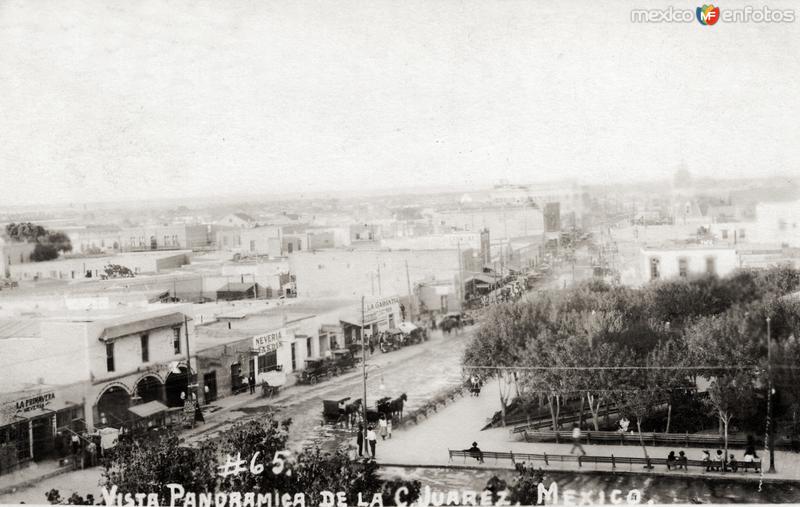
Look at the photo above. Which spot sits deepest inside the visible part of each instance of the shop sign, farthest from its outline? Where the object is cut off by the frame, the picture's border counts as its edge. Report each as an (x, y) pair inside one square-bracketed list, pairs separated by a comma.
[(269, 342), (379, 310), (34, 402)]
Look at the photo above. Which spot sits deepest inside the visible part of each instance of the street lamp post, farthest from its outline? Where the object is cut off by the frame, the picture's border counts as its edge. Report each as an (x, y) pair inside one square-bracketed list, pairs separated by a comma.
[(770, 431)]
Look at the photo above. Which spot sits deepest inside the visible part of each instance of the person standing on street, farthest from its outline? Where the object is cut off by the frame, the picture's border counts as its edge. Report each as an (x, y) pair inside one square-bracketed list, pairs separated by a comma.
[(252, 382), (383, 427), (576, 440), (372, 439), (360, 440), (389, 427)]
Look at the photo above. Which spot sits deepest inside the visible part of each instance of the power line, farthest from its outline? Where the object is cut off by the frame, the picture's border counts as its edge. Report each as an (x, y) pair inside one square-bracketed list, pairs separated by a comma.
[(580, 368)]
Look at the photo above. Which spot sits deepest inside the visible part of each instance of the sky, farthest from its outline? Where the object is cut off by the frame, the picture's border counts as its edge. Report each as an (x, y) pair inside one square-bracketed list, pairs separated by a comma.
[(125, 100)]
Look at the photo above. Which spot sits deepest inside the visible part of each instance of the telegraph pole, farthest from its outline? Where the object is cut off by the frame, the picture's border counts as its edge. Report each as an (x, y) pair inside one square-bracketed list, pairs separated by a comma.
[(364, 372), (770, 431), (460, 277), (379, 279), (410, 296)]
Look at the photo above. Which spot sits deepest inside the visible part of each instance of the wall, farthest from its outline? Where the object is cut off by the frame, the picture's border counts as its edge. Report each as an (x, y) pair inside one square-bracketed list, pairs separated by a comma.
[(261, 241), (76, 268), (502, 222), (726, 261), (13, 253), (778, 223), (57, 356), (368, 272)]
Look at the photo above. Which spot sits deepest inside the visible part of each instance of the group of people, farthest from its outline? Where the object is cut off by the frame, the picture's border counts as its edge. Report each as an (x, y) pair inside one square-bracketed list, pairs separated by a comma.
[(384, 430), (83, 451), (475, 385)]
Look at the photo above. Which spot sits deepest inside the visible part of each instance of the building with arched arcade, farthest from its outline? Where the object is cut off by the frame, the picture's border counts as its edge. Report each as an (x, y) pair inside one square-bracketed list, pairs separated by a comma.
[(75, 370)]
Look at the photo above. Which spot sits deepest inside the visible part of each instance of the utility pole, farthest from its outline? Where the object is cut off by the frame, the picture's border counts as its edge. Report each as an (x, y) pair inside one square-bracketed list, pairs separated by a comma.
[(380, 292), (460, 277), (364, 372), (189, 382), (372, 281), (770, 431), (410, 295)]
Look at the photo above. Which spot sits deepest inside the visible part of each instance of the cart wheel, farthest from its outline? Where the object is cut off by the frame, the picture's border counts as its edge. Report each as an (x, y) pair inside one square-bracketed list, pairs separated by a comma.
[(313, 380), (337, 371)]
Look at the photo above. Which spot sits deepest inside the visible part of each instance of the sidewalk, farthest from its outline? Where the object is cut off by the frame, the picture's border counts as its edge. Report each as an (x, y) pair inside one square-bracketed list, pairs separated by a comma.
[(459, 424)]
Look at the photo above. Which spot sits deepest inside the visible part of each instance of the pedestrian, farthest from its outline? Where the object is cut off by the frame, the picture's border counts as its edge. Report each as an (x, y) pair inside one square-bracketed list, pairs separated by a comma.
[(360, 440), (733, 464), (372, 439), (91, 450), (389, 427), (382, 427), (576, 440), (252, 382), (371, 346), (682, 460), (198, 412)]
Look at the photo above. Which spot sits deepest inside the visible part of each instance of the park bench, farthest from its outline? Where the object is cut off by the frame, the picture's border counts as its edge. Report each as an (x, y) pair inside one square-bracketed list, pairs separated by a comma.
[(650, 438), (615, 461)]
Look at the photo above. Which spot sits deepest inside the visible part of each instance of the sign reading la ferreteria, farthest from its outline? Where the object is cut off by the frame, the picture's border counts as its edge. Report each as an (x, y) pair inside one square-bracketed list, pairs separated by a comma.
[(269, 342)]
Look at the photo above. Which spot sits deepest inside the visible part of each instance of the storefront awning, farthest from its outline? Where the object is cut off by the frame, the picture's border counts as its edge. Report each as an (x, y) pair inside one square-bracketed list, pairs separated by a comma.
[(407, 327), (148, 409), (32, 414)]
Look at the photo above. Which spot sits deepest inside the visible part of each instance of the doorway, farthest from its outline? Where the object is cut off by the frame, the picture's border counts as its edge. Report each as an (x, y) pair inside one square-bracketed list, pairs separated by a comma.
[(210, 383), (236, 378), (42, 437)]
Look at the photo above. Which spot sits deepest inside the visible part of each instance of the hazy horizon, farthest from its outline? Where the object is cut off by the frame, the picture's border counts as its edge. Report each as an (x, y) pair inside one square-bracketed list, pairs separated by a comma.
[(150, 100)]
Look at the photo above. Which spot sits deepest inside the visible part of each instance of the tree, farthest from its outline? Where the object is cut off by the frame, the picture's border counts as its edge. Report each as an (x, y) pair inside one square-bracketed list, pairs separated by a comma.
[(48, 243), (118, 271), (726, 394), (148, 465)]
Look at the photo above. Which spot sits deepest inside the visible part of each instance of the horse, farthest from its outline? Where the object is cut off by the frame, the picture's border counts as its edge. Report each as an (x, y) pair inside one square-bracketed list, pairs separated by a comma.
[(396, 406), (352, 411)]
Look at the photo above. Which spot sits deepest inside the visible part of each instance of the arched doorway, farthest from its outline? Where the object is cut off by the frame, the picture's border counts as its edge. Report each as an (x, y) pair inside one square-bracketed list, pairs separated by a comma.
[(149, 388), (176, 384), (112, 407)]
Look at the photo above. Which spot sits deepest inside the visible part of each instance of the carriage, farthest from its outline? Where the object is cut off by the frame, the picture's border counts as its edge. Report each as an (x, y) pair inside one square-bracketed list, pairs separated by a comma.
[(353, 411), (271, 382), (413, 333), (392, 339)]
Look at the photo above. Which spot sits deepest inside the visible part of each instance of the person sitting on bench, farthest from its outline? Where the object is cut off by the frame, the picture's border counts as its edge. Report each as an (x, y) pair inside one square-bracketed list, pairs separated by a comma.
[(682, 461), (719, 461), (733, 464), (671, 460), (707, 460), (475, 452)]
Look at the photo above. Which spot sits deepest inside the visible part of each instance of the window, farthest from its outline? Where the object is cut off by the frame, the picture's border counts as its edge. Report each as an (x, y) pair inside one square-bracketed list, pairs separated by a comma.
[(110, 356), (133, 241), (294, 356), (174, 240), (308, 347), (358, 235), (145, 348), (655, 272), (291, 247), (299, 246), (742, 234), (391, 321), (252, 245), (267, 362), (711, 265), (166, 240), (176, 340), (724, 233), (683, 267)]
